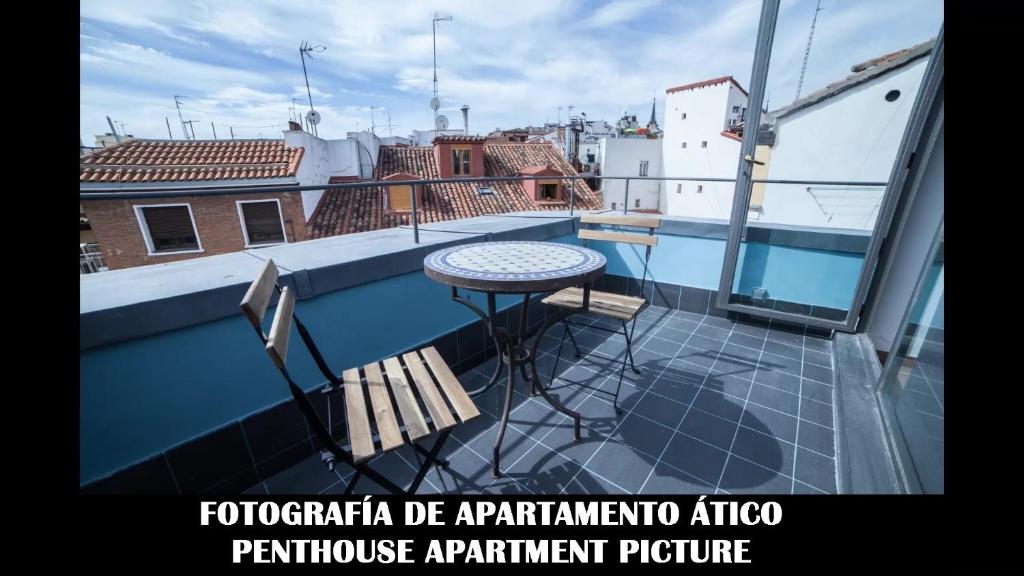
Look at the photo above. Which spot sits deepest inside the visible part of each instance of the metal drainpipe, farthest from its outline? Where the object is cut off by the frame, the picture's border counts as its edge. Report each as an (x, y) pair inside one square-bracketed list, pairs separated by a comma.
[(625, 202), (415, 219)]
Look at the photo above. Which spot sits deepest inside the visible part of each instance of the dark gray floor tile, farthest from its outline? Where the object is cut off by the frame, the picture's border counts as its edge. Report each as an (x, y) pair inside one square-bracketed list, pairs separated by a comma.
[(819, 373), (767, 451), (700, 356), (744, 477), (768, 421), (816, 391), (786, 337), (816, 438), (819, 358), (709, 428), (780, 363), (816, 412), (668, 480), (741, 339), (728, 384), (816, 470), (543, 471), (662, 346), (785, 350), (714, 332), (660, 409), (642, 434), (778, 379), (695, 457), (589, 483), (622, 464), (307, 477), (775, 399), (677, 386), (719, 404)]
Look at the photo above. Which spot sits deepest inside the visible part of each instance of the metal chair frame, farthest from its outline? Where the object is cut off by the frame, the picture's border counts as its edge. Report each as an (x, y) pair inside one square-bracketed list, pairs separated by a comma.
[(627, 331), (334, 451)]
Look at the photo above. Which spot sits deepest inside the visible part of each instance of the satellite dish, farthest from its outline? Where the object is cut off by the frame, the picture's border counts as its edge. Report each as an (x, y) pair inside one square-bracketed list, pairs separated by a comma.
[(435, 103), (442, 122), (313, 117)]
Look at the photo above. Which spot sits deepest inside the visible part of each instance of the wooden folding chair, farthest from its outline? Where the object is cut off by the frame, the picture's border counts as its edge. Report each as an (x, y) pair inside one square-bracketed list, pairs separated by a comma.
[(419, 377), (623, 308)]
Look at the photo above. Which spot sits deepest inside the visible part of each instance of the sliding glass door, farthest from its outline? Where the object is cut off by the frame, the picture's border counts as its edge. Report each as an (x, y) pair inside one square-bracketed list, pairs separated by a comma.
[(838, 96), (913, 387)]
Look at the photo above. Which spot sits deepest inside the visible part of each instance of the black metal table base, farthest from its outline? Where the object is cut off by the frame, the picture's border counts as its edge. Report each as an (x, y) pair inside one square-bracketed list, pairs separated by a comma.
[(519, 359)]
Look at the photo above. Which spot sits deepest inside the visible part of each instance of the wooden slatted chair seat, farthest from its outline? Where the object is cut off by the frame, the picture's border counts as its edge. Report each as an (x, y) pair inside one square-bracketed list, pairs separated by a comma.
[(621, 307), (377, 427), (601, 303), (429, 398)]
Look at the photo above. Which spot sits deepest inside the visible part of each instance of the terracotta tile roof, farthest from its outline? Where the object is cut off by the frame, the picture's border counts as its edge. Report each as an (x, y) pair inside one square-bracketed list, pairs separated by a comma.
[(141, 161), (458, 138), (704, 83), (360, 210)]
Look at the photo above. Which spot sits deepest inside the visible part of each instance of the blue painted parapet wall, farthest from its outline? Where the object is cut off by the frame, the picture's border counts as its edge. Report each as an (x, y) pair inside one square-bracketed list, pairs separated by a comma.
[(166, 356)]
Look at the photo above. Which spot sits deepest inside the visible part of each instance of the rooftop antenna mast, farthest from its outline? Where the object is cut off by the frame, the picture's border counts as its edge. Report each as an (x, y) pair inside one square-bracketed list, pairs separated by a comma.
[(191, 127), (307, 49), (807, 50), (114, 130), (389, 123), (177, 104), (373, 123), (435, 103)]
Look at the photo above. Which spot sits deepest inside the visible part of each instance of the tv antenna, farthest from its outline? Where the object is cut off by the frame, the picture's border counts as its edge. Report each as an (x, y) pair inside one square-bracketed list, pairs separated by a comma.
[(807, 50), (307, 49), (435, 102), (177, 104), (193, 129), (373, 123), (389, 123)]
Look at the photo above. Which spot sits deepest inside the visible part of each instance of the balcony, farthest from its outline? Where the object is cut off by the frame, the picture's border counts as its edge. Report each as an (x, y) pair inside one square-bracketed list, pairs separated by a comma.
[(177, 397)]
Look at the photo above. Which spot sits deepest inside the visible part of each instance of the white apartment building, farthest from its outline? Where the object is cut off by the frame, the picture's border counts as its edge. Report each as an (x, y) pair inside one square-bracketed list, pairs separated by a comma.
[(700, 141), (849, 131), (631, 157)]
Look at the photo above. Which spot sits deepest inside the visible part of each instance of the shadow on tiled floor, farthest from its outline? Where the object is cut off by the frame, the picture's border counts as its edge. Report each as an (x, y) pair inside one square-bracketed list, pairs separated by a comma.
[(719, 407)]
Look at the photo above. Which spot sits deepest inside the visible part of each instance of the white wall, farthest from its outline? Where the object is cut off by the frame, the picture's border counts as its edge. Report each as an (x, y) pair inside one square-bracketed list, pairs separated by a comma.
[(322, 159), (707, 110), (852, 136), (622, 157)]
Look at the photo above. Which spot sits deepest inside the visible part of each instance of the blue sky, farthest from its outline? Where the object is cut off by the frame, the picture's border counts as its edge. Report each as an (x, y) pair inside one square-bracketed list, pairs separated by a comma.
[(514, 62)]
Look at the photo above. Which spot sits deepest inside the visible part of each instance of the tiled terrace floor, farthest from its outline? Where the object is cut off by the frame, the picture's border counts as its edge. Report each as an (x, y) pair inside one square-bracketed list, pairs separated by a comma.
[(720, 407)]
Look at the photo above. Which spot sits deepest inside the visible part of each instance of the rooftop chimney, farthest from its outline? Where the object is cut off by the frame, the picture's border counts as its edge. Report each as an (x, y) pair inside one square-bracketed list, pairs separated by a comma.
[(465, 119)]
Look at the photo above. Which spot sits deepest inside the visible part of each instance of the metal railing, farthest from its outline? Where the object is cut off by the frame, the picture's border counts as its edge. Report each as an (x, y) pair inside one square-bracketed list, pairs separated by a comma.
[(90, 259), (150, 192)]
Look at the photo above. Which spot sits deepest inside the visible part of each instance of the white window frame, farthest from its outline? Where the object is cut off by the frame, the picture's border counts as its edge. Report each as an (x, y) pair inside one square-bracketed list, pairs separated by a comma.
[(643, 167), (140, 217), (245, 233)]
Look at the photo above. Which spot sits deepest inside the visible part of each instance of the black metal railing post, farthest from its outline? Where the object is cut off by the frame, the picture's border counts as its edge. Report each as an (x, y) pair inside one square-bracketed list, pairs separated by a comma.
[(415, 216), (625, 201)]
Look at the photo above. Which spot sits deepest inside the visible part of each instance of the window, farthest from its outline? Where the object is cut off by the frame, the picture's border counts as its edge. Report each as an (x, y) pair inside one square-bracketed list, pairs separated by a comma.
[(461, 165), (548, 192), (684, 144), (700, 187), (261, 222), (735, 109), (704, 144), (679, 188), (168, 228), (613, 205), (643, 167), (590, 157), (684, 116), (636, 203)]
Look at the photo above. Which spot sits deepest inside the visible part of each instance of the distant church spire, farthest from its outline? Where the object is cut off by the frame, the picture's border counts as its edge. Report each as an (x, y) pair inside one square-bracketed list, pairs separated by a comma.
[(652, 125)]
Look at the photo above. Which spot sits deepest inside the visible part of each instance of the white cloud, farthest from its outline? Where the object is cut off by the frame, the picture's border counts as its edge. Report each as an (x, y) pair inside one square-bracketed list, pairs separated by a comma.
[(620, 12)]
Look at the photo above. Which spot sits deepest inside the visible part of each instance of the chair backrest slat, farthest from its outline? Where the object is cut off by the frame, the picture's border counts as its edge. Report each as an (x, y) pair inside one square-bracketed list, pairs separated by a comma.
[(625, 237), (635, 221), (277, 342), (257, 298)]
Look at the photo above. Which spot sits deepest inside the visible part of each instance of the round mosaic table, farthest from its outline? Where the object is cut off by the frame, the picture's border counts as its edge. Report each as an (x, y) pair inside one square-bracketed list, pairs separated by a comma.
[(516, 268)]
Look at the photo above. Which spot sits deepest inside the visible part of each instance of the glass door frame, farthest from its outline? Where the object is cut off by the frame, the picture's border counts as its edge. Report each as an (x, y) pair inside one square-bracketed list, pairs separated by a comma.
[(745, 181), (910, 482)]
